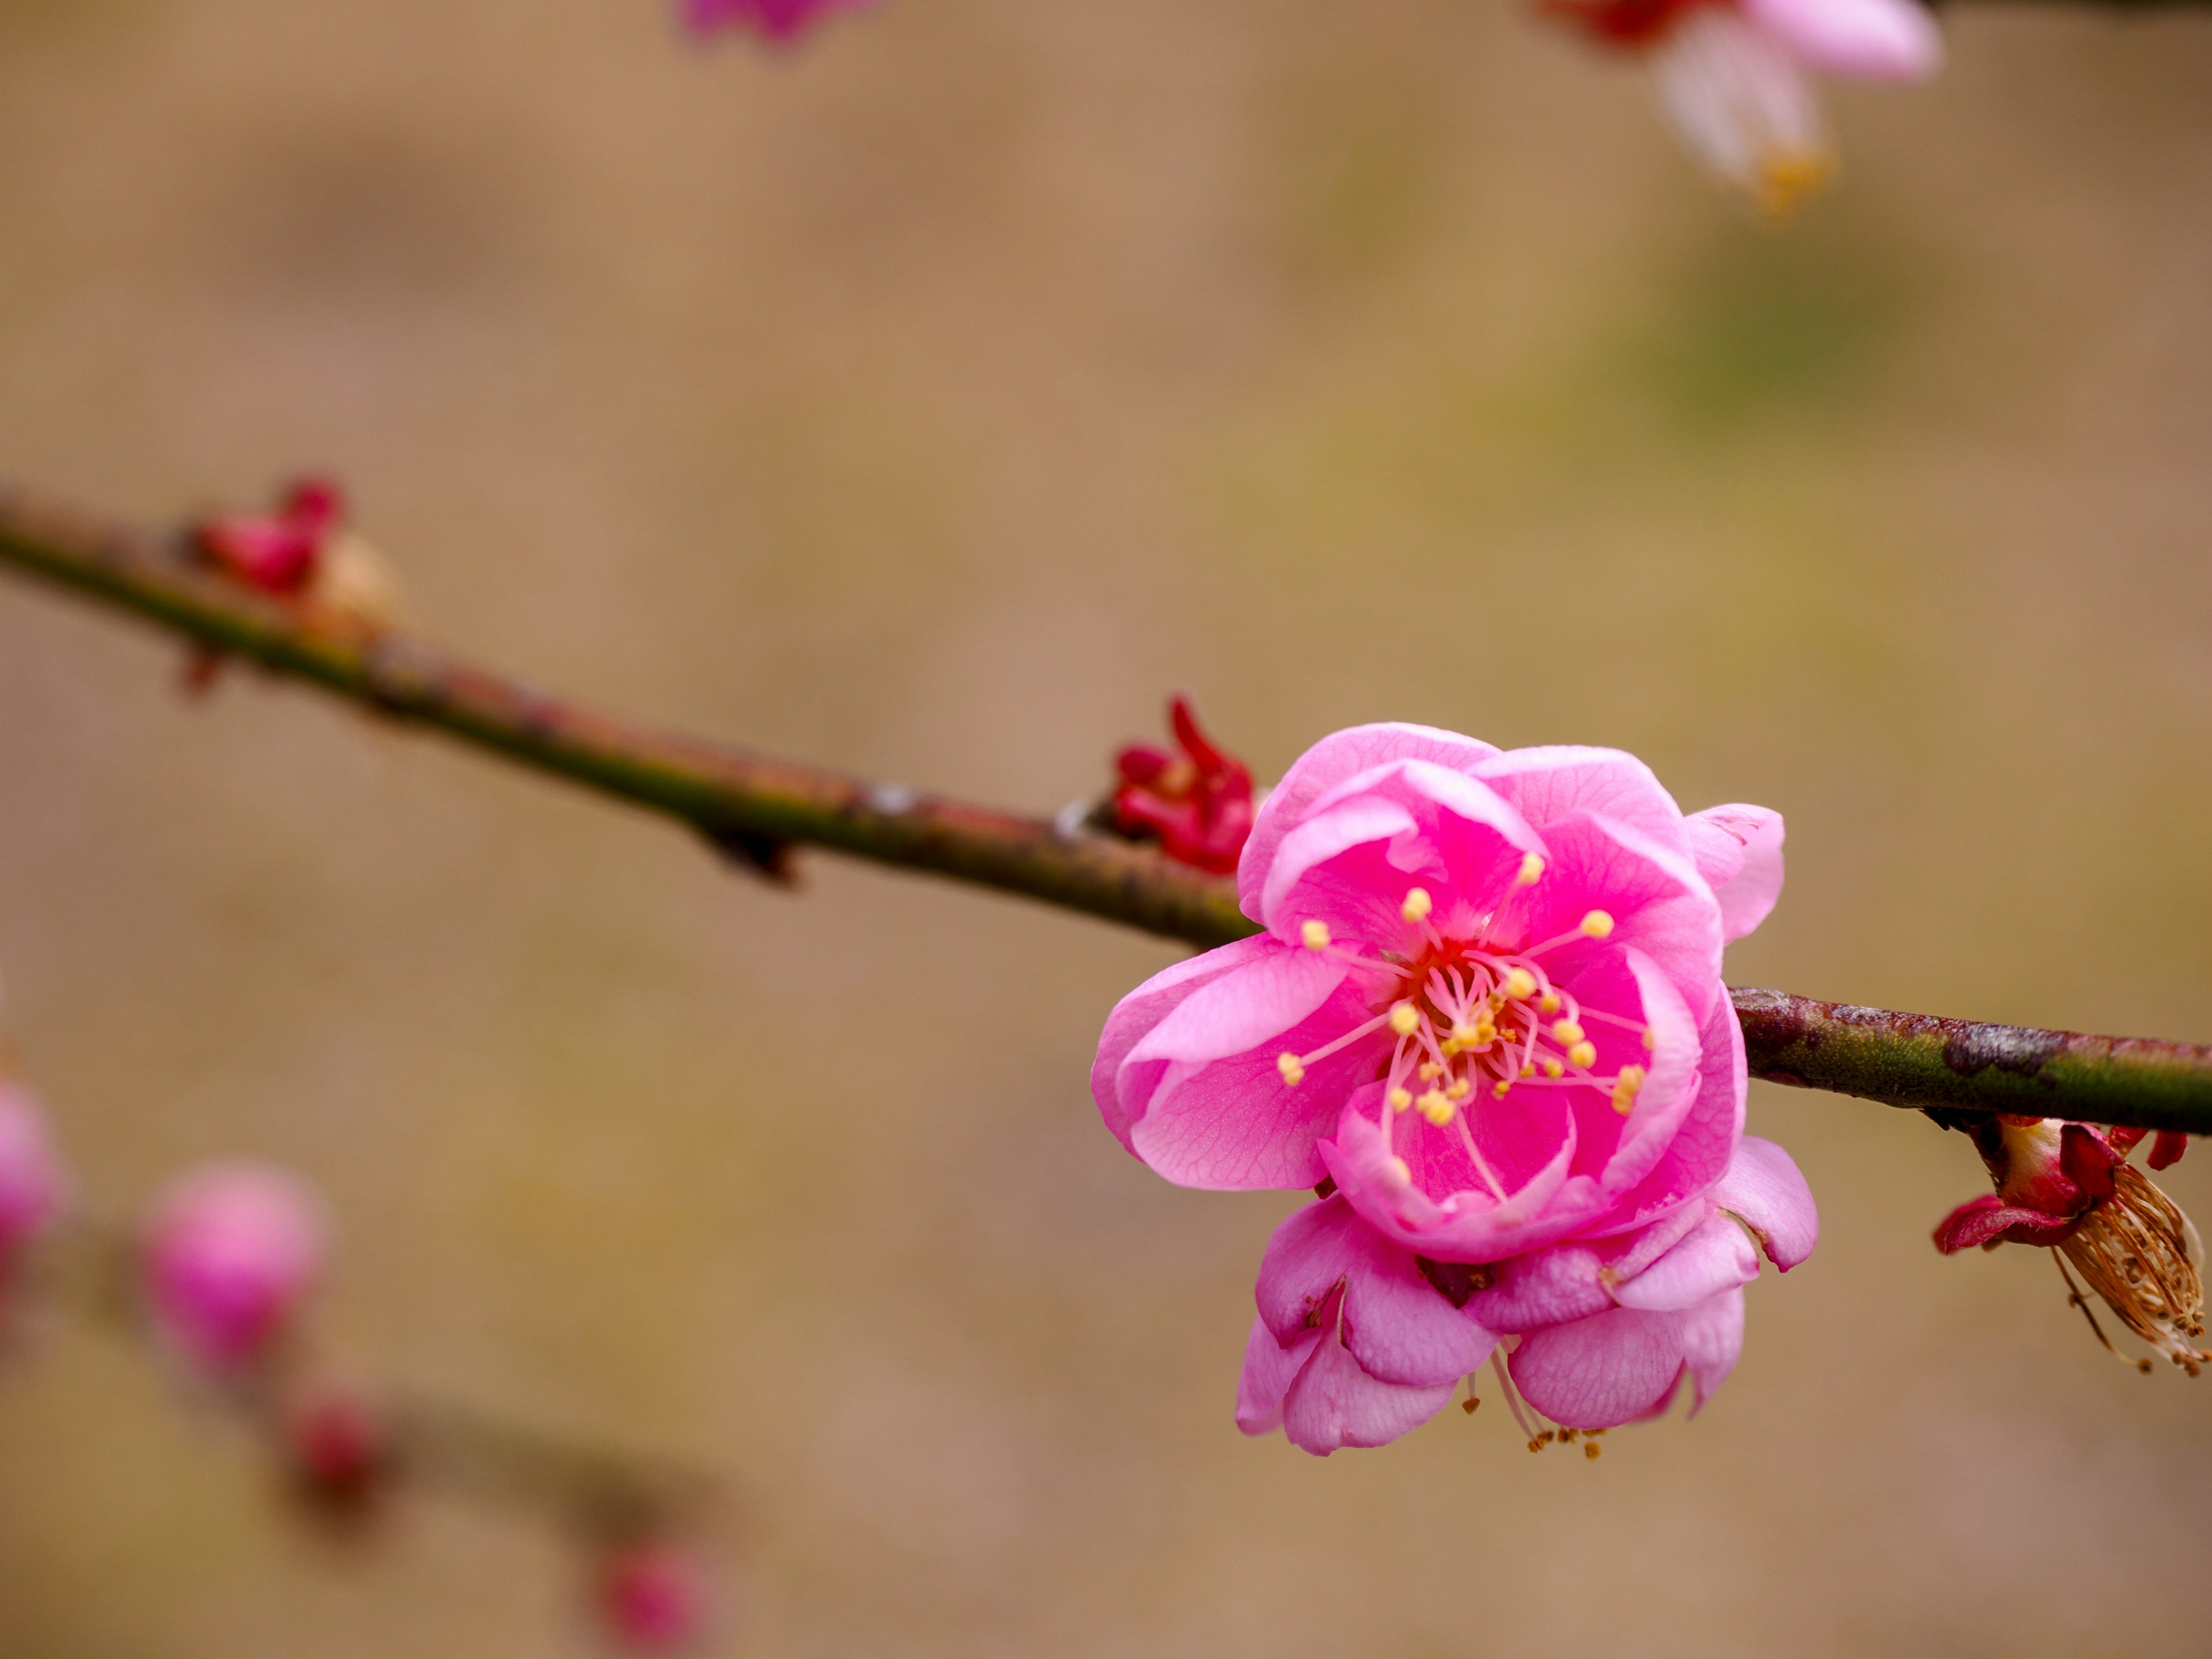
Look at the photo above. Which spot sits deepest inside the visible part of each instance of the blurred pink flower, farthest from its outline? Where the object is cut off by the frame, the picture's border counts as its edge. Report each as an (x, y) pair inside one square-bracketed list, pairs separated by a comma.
[(230, 1250), (1198, 803), (1733, 76), (2069, 1187), (653, 1597), (1488, 1010), (774, 19), (31, 1178), (303, 556)]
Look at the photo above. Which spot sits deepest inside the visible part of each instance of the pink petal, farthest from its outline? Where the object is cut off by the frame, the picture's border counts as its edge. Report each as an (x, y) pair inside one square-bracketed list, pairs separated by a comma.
[(1253, 1003), (1765, 1190), (1714, 1258), (1658, 903), (1268, 1369), (1705, 1141), (1233, 1124), (1137, 1013), (1596, 1373), (1354, 910), (1332, 1403), (1575, 1279), (1546, 784), (1339, 755), (1738, 850), (1672, 1086), (1870, 40), (1711, 1335)]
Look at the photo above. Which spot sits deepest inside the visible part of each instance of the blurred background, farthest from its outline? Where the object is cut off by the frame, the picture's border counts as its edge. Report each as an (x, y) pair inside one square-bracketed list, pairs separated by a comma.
[(930, 403)]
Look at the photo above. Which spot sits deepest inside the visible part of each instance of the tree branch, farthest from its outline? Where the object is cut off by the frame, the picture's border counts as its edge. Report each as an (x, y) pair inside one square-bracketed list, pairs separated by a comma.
[(750, 806)]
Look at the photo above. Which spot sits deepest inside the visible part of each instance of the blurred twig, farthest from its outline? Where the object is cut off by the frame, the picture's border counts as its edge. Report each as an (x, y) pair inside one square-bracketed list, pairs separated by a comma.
[(753, 807)]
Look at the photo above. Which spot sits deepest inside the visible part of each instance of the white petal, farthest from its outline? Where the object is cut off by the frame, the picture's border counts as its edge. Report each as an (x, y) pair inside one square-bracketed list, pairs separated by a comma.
[(1742, 106)]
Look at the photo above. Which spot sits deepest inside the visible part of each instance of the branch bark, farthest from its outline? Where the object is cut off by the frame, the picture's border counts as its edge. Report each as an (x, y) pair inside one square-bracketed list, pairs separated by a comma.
[(751, 805)]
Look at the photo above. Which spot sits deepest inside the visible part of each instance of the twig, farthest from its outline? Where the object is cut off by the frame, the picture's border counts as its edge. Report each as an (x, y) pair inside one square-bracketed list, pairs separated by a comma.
[(751, 806)]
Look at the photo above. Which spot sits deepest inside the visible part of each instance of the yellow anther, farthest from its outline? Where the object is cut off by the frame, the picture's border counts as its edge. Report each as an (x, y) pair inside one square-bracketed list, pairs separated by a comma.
[(1430, 1071), (1400, 1099), (1467, 1036), (1532, 871), (1449, 1047), (1316, 934), (1436, 1107), (1292, 1068), (1552, 1068), (1650, 1041), (1566, 1031), (1535, 1445), (1597, 925), (1520, 984), (1418, 904), (1584, 1054), (1592, 1450), (1501, 1088), (1458, 1089), (1549, 1002), (1405, 1018), (1625, 1087), (1529, 1071), (1485, 1033)]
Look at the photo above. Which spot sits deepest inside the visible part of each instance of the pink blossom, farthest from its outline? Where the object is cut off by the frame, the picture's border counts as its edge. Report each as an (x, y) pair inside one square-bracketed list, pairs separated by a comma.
[(230, 1250), (279, 552), (1487, 1012), (653, 1597), (1733, 76), (1198, 802), (774, 19), (31, 1178)]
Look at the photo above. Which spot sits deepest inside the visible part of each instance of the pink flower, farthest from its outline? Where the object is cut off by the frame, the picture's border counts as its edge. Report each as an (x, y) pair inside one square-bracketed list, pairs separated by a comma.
[(31, 1178), (774, 19), (230, 1250), (303, 556), (1732, 75), (1487, 1009), (2068, 1186), (1198, 804), (653, 1597)]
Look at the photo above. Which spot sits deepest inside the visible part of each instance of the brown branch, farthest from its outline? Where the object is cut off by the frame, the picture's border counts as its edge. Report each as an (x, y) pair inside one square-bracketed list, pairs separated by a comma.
[(753, 807)]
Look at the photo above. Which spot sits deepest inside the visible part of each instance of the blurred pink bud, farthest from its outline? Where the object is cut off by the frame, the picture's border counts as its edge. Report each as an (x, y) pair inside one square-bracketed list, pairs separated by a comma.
[(230, 1249), (774, 19), (653, 1597), (303, 554), (31, 1180)]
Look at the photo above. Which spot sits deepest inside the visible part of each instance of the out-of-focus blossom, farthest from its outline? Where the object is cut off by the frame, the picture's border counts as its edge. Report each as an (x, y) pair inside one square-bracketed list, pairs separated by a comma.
[(303, 554), (772, 20), (338, 1446), (32, 1182), (1487, 1012), (1197, 802), (1734, 76), (230, 1250), (2068, 1186), (653, 1597)]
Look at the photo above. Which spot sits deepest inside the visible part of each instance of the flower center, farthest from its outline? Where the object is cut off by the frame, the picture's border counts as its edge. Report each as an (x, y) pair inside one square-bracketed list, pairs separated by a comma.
[(1475, 1019)]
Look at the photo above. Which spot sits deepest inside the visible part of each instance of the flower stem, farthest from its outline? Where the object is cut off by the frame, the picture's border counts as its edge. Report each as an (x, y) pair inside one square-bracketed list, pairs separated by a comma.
[(750, 806)]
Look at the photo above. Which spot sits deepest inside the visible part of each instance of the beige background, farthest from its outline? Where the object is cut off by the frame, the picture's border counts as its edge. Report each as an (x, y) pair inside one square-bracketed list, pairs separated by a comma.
[(931, 404)]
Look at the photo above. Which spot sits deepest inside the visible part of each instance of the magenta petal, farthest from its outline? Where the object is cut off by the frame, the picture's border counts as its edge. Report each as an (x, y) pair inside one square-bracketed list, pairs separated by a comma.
[(1268, 1369), (1658, 902), (1711, 1334), (1738, 850), (1705, 1142), (1765, 1190), (1714, 1258), (1552, 1286), (1308, 1258), (1870, 40), (1596, 1373), (1989, 1220), (1675, 1081), (1333, 1403), (1546, 784), (1137, 1013), (1252, 1004), (1339, 755), (1350, 908)]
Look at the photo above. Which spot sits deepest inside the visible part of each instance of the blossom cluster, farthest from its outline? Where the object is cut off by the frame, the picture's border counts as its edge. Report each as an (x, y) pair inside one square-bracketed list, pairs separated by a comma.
[(1485, 1021)]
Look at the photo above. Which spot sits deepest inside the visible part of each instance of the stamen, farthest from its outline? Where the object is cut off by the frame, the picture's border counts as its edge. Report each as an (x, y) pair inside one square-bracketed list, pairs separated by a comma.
[(1625, 1087), (1417, 905), (1549, 1002), (1552, 1068), (1405, 1018), (1520, 984), (1458, 1089), (1293, 1070), (1532, 871), (1400, 1099), (1567, 1030), (1316, 935), (1500, 1089), (1582, 1054), (1597, 925), (1437, 1107)]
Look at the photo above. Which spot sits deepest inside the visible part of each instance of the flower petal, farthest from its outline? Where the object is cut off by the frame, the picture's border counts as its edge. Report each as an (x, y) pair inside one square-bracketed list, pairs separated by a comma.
[(1766, 1191), (1545, 784), (1989, 1220), (1611, 1368), (1332, 1402), (1302, 889), (1738, 850), (1658, 902), (1870, 39), (1705, 1141), (1711, 1334), (1137, 1013), (1715, 1257), (1741, 105), (1328, 764), (1268, 1369)]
